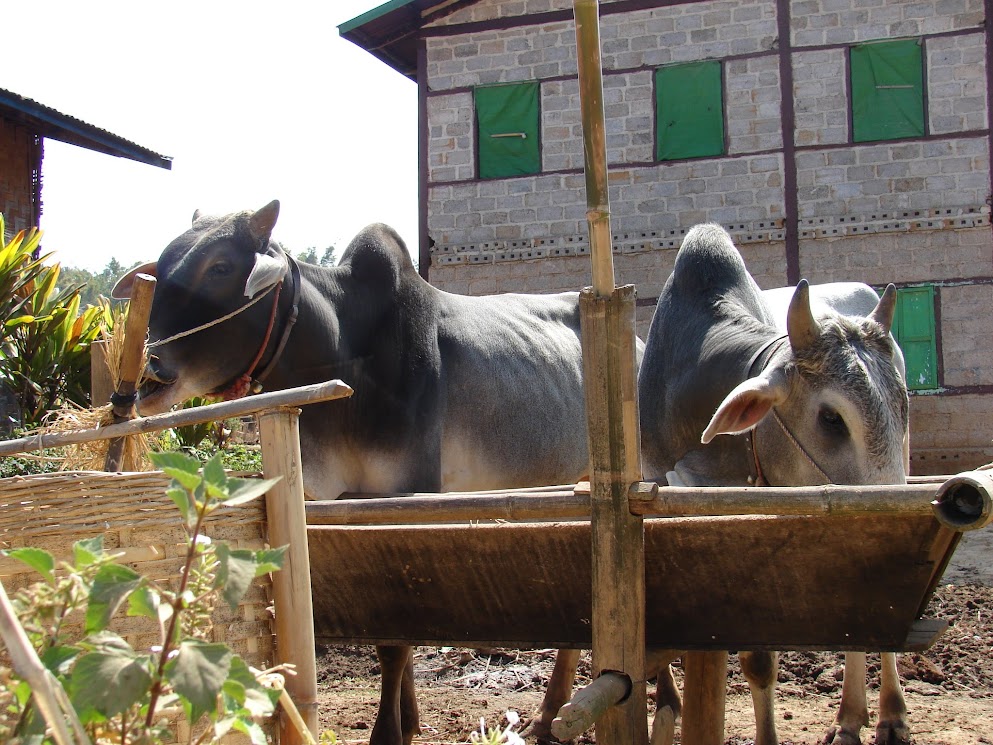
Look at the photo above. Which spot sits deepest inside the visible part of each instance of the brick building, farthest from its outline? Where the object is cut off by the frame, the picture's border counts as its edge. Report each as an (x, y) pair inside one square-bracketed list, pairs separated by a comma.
[(835, 139), (24, 124)]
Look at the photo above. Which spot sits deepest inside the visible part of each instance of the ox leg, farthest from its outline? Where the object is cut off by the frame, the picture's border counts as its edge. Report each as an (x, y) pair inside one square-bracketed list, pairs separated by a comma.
[(853, 713), (668, 703), (761, 670), (892, 727), (557, 694), (397, 720)]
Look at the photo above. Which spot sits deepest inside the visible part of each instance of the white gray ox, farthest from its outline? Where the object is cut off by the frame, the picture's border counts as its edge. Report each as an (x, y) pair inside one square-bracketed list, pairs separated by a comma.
[(824, 402), (452, 393)]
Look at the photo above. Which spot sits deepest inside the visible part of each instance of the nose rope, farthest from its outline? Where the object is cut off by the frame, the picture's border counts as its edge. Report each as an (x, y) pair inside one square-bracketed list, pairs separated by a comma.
[(222, 319), (801, 448)]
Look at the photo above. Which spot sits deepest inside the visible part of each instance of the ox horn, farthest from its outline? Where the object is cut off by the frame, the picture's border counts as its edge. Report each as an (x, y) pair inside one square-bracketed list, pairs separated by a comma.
[(261, 223), (886, 308), (801, 325)]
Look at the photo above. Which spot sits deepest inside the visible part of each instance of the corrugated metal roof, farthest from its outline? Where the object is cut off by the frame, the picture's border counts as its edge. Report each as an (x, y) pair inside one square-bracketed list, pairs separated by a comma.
[(389, 31), (55, 125)]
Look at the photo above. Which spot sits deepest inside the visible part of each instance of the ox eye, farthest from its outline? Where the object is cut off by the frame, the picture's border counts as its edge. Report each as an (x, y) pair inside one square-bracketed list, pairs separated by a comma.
[(832, 421), (220, 269)]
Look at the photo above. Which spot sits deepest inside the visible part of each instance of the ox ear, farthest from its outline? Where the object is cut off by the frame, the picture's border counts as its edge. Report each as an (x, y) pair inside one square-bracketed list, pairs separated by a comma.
[(261, 223), (122, 290), (196, 216), (747, 405), (886, 308), (801, 325), (266, 272)]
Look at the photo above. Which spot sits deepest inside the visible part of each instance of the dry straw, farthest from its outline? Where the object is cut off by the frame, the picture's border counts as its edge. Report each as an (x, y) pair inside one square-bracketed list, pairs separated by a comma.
[(92, 455)]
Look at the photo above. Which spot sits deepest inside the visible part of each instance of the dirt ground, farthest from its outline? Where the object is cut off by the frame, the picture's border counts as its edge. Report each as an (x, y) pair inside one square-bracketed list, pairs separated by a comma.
[(949, 689)]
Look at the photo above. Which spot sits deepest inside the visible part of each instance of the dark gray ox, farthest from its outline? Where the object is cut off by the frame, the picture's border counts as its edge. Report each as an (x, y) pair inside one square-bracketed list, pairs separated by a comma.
[(823, 403), (451, 392)]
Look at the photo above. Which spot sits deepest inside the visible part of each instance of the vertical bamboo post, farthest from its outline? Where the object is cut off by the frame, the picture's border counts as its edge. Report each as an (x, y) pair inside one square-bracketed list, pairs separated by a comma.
[(704, 692), (618, 624), (132, 360), (280, 434), (610, 380), (101, 381), (594, 143)]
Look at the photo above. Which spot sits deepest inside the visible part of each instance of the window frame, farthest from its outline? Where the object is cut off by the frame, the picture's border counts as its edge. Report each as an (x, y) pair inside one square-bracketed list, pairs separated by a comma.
[(880, 111), (715, 143), (492, 157)]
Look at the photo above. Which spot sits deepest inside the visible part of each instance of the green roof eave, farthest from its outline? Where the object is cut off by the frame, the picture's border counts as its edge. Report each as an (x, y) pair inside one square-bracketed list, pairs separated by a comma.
[(371, 15)]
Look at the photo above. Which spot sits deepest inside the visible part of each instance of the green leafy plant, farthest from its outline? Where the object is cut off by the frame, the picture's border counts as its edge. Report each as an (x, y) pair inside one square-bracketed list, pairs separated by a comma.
[(497, 736), (46, 335), (118, 692)]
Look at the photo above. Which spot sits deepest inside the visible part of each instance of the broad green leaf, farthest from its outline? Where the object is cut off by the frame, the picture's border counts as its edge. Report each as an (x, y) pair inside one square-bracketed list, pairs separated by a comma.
[(144, 601), (106, 641), (254, 731), (57, 659), (187, 480), (87, 551), (38, 559), (175, 460), (184, 501), (235, 573), (110, 682), (111, 586), (198, 673), (269, 560), (213, 472), (250, 695), (245, 490)]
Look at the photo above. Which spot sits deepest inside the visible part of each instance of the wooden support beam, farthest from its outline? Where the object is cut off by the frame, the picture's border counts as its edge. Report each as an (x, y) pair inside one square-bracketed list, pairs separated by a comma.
[(132, 363), (618, 537), (280, 434), (704, 692)]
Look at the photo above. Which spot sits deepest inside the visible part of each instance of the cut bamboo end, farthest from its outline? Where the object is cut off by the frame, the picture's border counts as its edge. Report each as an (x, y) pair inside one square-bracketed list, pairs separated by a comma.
[(589, 704), (965, 501)]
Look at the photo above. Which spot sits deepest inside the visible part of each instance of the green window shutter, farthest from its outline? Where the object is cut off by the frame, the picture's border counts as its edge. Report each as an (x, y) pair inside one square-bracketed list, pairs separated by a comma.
[(689, 109), (887, 90), (507, 125), (913, 327)]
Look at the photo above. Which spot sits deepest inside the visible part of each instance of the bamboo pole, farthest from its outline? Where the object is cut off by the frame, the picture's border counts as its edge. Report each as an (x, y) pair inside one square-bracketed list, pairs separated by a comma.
[(594, 144), (607, 317), (590, 704), (132, 363), (280, 434), (307, 394), (618, 539), (965, 501), (568, 503)]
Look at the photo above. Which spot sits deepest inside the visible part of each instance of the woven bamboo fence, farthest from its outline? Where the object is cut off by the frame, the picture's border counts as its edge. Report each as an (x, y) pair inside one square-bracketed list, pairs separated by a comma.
[(136, 520)]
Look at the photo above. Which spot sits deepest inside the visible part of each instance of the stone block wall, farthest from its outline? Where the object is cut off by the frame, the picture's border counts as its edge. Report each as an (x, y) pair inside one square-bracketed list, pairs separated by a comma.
[(911, 212)]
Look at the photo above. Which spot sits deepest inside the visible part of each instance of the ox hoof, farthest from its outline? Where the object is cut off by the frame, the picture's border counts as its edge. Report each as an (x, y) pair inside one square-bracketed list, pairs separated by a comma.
[(892, 733), (838, 736)]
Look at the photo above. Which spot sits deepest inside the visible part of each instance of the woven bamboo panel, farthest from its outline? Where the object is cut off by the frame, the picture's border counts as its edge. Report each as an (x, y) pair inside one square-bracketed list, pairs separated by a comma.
[(136, 519)]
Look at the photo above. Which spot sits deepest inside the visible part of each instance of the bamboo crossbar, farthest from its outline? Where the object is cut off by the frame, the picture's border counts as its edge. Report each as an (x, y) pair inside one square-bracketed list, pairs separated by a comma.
[(566, 503), (301, 396)]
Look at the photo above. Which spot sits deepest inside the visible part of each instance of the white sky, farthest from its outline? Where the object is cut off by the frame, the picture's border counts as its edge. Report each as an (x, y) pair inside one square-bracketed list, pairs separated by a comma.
[(253, 100)]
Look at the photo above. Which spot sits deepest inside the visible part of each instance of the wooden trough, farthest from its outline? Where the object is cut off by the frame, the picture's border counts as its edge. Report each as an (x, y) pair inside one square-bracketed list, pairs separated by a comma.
[(854, 570)]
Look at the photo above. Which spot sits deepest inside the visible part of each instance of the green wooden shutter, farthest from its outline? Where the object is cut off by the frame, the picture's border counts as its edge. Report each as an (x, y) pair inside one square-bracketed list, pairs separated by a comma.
[(887, 90), (913, 327), (689, 108), (507, 125)]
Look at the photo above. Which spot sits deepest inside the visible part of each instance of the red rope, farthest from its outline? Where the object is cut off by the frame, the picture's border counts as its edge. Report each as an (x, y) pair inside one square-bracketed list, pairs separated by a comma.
[(243, 384)]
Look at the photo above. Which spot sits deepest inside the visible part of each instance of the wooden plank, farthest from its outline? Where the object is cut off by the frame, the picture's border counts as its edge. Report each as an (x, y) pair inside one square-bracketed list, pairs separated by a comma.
[(280, 435), (704, 691), (780, 583)]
